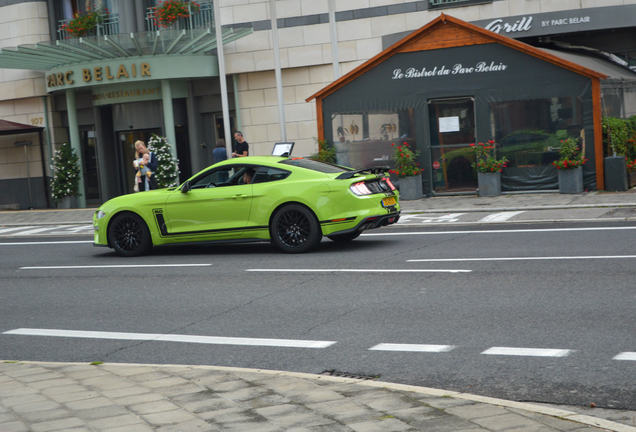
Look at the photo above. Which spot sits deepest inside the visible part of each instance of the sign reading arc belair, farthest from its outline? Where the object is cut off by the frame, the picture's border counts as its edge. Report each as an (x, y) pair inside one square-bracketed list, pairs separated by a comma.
[(130, 69)]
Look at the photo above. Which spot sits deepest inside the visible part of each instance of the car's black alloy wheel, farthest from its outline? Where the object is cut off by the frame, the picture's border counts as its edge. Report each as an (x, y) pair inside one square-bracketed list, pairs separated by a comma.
[(129, 235), (295, 229)]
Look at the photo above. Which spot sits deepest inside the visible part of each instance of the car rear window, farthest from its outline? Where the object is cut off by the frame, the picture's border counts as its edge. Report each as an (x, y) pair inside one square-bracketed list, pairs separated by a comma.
[(315, 165)]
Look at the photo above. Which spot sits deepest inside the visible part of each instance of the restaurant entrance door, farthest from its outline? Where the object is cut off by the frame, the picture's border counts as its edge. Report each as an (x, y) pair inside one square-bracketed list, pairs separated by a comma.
[(452, 130)]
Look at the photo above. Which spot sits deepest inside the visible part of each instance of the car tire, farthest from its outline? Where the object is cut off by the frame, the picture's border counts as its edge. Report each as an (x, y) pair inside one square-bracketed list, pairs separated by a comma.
[(295, 229), (341, 238), (129, 235)]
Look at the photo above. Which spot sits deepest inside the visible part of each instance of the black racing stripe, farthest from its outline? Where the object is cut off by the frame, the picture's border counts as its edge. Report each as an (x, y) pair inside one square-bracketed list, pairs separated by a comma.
[(163, 229)]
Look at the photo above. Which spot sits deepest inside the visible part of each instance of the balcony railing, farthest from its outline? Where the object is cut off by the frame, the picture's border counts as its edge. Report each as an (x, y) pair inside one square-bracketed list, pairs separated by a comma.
[(201, 20), (109, 26)]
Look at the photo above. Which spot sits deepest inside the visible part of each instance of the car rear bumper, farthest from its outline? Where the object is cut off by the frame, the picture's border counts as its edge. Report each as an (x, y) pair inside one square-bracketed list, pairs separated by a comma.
[(372, 222)]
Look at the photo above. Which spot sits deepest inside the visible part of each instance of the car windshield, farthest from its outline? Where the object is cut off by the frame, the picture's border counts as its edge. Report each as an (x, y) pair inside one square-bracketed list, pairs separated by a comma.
[(315, 165)]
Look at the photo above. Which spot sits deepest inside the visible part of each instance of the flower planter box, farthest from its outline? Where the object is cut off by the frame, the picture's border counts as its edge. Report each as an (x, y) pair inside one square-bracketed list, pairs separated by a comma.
[(489, 184), (632, 179), (615, 173), (571, 180), (67, 202), (411, 187)]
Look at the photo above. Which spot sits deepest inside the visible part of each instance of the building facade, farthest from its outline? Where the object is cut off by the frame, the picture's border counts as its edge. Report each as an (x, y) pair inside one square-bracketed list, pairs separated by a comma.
[(131, 78)]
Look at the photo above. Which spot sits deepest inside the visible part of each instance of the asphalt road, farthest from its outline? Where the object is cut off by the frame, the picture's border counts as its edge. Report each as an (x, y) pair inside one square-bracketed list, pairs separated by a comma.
[(490, 321)]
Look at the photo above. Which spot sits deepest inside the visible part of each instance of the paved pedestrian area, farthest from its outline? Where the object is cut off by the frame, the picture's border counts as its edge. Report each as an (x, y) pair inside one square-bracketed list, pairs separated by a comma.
[(74, 397)]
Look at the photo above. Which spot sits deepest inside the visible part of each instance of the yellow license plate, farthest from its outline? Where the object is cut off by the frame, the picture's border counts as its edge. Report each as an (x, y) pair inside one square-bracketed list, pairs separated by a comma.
[(389, 201)]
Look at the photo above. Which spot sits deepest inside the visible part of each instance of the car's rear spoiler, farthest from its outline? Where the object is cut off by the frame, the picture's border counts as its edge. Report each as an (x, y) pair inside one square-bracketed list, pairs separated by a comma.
[(372, 170)]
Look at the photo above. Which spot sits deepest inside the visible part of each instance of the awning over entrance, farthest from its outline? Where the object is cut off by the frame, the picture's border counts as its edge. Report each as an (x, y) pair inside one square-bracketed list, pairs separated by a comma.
[(49, 55), (12, 128)]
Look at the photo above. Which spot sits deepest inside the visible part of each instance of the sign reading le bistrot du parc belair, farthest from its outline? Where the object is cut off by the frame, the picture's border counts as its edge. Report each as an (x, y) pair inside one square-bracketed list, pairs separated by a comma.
[(457, 69)]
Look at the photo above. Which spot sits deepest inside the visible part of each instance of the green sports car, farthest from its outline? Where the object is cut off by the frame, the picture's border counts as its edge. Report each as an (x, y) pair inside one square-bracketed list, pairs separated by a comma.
[(292, 202)]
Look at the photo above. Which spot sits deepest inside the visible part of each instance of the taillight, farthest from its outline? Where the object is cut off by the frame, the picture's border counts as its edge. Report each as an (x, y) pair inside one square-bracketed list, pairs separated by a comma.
[(389, 183), (360, 189)]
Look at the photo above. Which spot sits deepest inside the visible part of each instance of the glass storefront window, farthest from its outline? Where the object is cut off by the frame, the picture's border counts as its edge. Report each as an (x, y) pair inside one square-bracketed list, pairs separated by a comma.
[(528, 132), (364, 139)]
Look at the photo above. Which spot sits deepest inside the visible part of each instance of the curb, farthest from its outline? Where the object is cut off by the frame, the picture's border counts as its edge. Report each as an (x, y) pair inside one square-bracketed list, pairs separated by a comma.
[(504, 209), (537, 409)]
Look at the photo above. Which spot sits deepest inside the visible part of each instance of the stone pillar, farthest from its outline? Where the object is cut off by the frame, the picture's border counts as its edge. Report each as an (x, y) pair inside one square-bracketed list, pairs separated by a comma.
[(76, 144), (168, 116)]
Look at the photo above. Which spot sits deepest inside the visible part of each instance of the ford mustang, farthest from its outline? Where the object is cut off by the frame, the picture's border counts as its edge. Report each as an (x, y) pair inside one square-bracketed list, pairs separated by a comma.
[(292, 202)]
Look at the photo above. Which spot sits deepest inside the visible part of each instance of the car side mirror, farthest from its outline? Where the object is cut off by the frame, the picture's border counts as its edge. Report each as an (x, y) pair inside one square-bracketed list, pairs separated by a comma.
[(185, 187)]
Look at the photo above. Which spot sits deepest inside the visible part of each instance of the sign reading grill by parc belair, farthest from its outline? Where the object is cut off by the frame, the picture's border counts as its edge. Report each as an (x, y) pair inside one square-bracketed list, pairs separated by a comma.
[(456, 69)]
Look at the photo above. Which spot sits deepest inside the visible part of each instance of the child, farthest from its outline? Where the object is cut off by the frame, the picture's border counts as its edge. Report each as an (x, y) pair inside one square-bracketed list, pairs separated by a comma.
[(143, 170)]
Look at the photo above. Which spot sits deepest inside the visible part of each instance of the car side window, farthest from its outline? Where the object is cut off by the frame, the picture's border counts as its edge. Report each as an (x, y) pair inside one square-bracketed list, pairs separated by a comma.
[(214, 178), (268, 174)]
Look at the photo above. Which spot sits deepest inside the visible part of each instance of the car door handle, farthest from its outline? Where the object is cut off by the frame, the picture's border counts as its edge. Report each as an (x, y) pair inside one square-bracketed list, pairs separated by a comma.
[(239, 196)]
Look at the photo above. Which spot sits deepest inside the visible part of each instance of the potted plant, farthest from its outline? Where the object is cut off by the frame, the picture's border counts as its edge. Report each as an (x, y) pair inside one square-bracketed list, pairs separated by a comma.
[(341, 133), (83, 24), (631, 172), (616, 135), (570, 166), (169, 11), (66, 177), (167, 173), (408, 171), (488, 168), (326, 153)]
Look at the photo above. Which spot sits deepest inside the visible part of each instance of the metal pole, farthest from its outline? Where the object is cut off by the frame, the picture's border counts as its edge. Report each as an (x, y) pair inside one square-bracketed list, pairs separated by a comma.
[(334, 40), (279, 80), (222, 79), (26, 155)]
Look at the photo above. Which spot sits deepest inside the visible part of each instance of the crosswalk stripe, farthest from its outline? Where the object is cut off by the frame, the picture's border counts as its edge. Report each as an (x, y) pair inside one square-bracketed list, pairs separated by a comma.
[(528, 352), (6, 230), (37, 230)]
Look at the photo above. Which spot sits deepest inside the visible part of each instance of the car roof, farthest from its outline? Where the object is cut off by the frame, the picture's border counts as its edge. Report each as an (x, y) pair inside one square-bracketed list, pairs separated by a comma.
[(255, 160)]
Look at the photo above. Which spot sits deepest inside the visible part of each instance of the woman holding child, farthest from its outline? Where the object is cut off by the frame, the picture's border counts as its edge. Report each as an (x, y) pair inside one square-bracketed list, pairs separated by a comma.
[(145, 164)]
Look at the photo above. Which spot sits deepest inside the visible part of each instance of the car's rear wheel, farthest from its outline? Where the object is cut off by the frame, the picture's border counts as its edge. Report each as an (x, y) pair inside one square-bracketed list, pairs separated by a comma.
[(295, 229), (340, 238), (129, 235)]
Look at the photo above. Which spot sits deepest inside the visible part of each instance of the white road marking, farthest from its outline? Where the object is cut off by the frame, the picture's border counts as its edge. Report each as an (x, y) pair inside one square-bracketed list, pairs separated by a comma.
[(46, 243), (412, 347), (6, 230), (75, 229), (359, 270), (213, 340), (626, 356), (530, 352), (523, 258), (424, 219), (112, 266), (500, 217), (37, 230), (515, 231)]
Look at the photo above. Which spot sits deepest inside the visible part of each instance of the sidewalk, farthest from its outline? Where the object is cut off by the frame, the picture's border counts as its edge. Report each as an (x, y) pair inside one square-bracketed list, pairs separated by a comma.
[(74, 397), (445, 204)]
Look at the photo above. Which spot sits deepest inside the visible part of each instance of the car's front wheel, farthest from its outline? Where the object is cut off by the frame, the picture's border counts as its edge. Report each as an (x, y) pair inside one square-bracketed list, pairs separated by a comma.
[(295, 229), (340, 238), (129, 235)]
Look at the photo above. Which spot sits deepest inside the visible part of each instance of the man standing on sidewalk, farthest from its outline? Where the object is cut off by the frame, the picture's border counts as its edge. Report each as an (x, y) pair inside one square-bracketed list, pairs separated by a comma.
[(242, 148)]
